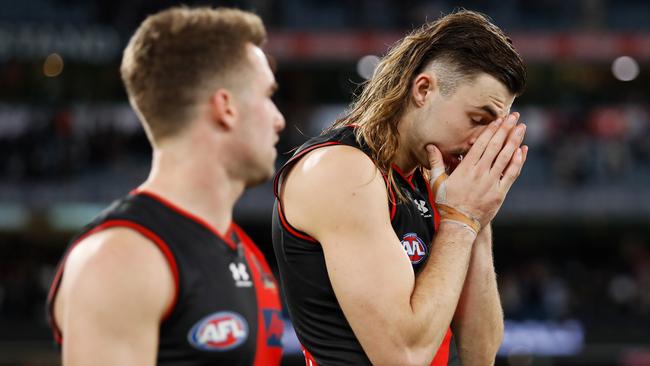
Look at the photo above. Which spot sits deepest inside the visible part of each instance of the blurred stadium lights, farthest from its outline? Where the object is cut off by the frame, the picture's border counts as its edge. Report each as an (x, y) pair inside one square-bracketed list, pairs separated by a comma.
[(625, 68), (53, 65), (367, 65)]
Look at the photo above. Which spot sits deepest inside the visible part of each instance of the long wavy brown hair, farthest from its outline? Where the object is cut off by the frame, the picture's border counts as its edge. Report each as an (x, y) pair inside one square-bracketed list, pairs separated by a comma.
[(468, 42)]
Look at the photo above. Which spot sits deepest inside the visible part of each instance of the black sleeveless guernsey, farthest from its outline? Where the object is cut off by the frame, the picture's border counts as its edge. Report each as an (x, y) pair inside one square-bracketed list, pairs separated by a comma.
[(226, 309), (325, 334)]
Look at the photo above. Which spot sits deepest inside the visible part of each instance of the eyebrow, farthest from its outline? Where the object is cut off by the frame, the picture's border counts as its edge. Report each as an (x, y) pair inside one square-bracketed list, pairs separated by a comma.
[(489, 110)]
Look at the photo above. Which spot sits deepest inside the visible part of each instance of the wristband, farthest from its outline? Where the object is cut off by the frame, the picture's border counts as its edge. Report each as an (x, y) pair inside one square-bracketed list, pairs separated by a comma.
[(453, 214), (461, 224), (437, 183)]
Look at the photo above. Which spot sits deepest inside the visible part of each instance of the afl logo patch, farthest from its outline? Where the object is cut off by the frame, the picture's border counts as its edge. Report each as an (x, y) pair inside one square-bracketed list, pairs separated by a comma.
[(414, 247), (219, 332)]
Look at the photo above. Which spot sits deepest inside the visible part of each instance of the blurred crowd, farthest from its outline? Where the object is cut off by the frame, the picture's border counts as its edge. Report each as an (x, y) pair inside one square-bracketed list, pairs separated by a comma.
[(569, 147), (577, 146), (597, 284)]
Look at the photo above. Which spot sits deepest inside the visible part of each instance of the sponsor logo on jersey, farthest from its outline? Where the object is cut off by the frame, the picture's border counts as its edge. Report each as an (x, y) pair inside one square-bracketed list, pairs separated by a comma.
[(274, 327), (414, 247), (220, 331), (422, 207), (240, 274)]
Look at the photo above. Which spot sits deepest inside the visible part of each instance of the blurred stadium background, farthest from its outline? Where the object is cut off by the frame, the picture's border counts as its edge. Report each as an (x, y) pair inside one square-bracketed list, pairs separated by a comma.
[(572, 243)]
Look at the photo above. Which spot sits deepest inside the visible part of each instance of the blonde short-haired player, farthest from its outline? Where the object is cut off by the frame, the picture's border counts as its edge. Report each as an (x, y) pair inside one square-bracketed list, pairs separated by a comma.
[(164, 276)]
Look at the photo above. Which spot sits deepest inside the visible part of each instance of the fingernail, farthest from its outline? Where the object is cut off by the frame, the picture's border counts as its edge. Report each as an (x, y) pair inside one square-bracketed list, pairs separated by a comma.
[(511, 120)]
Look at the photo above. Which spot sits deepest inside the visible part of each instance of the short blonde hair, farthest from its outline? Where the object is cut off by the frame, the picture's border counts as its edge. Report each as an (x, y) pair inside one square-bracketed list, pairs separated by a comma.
[(179, 56)]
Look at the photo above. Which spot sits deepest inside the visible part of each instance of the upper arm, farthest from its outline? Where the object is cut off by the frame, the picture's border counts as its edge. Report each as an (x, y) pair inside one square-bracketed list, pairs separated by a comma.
[(338, 196), (114, 292)]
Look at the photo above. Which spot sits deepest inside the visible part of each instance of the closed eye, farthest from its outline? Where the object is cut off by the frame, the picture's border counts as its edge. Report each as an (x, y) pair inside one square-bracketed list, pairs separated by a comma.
[(480, 121)]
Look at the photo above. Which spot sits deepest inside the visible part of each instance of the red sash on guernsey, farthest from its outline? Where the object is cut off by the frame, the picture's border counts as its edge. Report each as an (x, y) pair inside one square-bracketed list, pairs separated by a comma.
[(270, 325)]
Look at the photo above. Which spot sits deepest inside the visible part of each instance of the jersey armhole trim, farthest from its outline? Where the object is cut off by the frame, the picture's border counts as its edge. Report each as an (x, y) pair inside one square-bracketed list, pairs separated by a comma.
[(309, 359), (276, 189), (293, 231), (160, 244), (392, 203), (293, 160)]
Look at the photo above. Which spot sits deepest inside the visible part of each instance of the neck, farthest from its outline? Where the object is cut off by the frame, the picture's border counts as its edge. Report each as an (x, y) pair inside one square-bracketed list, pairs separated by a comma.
[(404, 158), (195, 181), (404, 162)]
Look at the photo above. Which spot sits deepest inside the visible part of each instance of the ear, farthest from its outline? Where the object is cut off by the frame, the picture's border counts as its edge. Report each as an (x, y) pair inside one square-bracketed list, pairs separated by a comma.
[(222, 109), (423, 87)]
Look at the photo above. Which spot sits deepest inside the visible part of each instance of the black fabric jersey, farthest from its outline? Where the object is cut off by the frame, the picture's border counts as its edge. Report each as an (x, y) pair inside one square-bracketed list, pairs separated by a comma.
[(319, 322), (226, 310)]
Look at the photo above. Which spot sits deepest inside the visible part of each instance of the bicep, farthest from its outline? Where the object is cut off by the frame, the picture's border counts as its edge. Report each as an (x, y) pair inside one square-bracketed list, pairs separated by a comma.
[(116, 288), (372, 281), (364, 258)]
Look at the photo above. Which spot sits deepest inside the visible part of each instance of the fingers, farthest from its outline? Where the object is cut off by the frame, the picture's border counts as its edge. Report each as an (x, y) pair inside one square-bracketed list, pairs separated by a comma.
[(505, 156), (496, 143), (514, 168), (436, 163), (524, 149), (476, 151), (438, 174)]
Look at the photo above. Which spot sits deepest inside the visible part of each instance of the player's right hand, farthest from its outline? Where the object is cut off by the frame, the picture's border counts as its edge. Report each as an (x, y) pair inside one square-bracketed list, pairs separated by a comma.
[(478, 186)]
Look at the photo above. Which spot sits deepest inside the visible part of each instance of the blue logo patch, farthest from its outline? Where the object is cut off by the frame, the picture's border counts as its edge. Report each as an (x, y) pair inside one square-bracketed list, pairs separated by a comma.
[(414, 247), (274, 326), (220, 331)]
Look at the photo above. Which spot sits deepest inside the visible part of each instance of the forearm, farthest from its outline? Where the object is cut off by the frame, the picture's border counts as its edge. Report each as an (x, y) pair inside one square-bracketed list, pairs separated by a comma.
[(478, 322), (439, 285)]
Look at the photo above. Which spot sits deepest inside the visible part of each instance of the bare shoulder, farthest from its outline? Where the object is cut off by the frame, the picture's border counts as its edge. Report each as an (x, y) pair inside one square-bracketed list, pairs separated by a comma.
[(115, 268), (332, 186), (332, 168)]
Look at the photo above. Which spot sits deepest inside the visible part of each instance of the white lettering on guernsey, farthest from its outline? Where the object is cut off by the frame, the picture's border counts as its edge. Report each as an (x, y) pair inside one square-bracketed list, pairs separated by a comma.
[(219, 332), (240, 275), (421, 205), (413, 248)]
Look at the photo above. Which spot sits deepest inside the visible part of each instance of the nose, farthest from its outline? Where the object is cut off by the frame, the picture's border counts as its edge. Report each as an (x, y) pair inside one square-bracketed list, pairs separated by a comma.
[(280, 123)]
